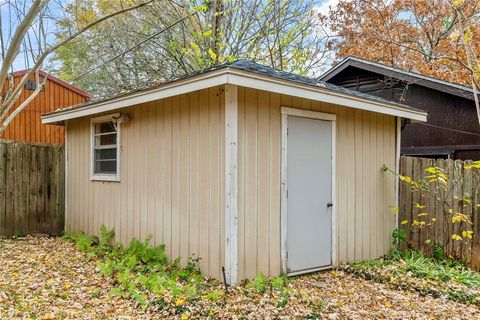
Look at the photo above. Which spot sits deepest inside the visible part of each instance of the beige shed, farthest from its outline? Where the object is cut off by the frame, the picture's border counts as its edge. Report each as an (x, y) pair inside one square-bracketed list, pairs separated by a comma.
[(240, 165)]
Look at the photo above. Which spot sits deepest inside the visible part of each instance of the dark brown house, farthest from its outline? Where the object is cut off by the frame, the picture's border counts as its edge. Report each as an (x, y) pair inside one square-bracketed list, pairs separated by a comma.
[(452, 129)]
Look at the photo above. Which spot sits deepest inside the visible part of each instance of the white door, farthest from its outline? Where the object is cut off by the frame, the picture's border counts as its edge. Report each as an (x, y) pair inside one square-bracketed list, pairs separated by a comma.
[(309, 194)]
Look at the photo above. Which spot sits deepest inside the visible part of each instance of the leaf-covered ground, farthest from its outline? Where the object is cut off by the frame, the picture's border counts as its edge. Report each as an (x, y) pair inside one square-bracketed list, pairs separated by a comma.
[(47, 278)]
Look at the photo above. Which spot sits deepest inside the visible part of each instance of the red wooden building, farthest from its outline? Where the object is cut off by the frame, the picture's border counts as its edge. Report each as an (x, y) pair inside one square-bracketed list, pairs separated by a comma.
[(27, 125)]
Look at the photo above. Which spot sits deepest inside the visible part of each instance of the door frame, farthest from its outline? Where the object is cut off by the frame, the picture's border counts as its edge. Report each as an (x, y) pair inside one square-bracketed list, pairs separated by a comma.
[(286, 112)]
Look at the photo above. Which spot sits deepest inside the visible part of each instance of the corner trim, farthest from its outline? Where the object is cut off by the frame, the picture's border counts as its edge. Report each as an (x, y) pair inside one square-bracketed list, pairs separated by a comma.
[(231, 183)]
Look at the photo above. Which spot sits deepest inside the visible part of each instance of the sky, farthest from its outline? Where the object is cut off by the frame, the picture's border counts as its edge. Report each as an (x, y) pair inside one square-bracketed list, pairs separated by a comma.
[(8, 19), (323, 6)]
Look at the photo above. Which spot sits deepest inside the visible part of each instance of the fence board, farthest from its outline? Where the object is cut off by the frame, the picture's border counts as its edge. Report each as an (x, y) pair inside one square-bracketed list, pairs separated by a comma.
[(439, 236), (31, 188), (3, 190), (33, 221), (461, 196), (475, 254)]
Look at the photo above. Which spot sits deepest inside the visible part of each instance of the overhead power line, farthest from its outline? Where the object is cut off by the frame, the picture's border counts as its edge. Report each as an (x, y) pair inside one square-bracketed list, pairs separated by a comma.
[(448, 129), (132, 48)]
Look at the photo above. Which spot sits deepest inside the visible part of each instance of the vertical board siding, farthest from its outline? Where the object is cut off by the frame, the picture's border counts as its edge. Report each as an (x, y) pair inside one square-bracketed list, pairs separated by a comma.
[(171, 181), (364, 142), (27, 125), (173, 169), (31, 189)]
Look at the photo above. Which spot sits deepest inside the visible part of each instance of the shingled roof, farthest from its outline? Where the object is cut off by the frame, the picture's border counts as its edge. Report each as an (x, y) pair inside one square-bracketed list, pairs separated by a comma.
[(250, 67), (407, 76)]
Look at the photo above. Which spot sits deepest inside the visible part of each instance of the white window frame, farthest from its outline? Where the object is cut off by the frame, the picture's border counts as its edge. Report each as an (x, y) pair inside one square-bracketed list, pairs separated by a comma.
[(104, 176)]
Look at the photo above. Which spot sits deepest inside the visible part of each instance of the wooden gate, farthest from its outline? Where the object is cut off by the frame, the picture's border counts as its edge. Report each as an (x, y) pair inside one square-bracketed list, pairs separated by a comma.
[(32, 192)]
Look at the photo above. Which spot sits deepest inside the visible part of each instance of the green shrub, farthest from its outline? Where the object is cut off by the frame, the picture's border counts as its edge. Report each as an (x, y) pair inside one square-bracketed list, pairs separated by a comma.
[(260, 283), (84, 243)]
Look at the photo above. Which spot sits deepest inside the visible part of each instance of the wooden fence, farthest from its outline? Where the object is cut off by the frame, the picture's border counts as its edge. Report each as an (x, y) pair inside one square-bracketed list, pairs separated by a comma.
[(32, 192), (462, 196)]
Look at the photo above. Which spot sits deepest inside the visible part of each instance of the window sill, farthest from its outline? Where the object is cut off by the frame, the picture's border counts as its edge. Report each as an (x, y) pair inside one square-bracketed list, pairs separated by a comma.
[(107, 178)]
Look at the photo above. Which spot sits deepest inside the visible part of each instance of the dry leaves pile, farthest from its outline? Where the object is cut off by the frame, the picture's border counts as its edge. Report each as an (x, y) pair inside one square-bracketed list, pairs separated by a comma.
[(47, 278)]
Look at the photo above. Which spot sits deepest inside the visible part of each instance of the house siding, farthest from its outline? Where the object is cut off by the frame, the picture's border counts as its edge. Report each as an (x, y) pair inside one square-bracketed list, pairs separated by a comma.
[(364, 142), (171, 180), (27, 125)]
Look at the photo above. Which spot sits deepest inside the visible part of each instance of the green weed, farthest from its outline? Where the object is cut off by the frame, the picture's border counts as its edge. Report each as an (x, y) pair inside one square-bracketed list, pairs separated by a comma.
[(433, 275), (142, 271)]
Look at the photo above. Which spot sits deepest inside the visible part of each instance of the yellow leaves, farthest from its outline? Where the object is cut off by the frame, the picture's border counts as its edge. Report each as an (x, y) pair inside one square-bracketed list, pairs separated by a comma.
[(434, 219), (456, 3), (459, 217), (456, 237), (437, 175), (196, 49), (208, 33), (212, 55), (407, 179), (467, 234), (419, 206), (184, 316), (410, 181), (423, 214), (428, 241), (467, 36), (404, 222), (475, 165), (179, 302), (419, 223), (394, 209)]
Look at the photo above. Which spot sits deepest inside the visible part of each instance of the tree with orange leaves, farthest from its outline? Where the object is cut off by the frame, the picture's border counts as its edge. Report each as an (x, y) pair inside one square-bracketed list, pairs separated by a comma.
[(437, 38), (414, 35)]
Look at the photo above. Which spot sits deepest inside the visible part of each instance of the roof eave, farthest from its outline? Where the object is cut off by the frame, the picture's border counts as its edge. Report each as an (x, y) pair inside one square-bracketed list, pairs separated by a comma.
[(56, 80), (388, 71), (241, 78)]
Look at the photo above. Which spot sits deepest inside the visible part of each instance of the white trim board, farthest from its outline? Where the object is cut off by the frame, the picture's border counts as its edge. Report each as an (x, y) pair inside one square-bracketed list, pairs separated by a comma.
[(398, 143), (231, 183), (66, 223), (286, 111), (240, 78)]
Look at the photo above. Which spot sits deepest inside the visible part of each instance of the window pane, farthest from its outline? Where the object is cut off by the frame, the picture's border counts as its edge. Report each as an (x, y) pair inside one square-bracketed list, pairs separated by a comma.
[(106, 139), (106, 154), (104, 127), (109, 167)]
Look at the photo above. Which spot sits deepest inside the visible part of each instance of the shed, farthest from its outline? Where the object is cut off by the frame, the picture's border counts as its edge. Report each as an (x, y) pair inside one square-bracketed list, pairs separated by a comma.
[(240, 165), (27, 125)]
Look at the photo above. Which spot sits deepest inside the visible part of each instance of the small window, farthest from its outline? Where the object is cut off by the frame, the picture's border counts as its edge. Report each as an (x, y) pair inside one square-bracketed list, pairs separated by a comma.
[(105, 149)]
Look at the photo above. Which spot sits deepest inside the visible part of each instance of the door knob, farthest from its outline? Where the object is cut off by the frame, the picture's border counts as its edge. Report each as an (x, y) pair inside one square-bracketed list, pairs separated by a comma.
[(329, 204)]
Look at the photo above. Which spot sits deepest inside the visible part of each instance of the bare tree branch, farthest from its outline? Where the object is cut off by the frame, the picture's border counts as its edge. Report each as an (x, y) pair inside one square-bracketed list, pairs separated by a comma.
[(24, 104), (7, 105), (17, 40)]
